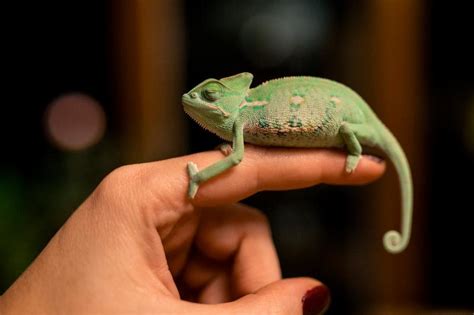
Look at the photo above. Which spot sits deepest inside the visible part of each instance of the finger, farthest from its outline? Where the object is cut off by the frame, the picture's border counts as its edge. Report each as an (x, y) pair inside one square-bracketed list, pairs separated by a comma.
[(200, 271), (239, 236), (299, 296), (217, 291), (289, 296), (282, 169), (261, 169)]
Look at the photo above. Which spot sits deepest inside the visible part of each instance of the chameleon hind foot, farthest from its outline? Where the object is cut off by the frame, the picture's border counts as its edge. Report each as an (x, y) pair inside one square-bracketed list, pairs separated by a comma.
[(353, 146), (351, 162), (193, 183)]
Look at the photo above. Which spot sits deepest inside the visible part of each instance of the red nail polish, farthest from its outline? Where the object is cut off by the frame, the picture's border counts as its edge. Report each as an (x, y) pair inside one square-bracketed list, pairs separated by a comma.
[(316, 300)]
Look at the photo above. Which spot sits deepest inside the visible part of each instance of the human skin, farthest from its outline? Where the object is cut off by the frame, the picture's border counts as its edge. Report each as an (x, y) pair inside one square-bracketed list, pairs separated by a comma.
[(139, 245)]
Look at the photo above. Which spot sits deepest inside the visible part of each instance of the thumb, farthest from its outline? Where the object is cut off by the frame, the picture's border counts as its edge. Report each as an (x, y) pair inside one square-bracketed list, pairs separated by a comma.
[(303, 296)]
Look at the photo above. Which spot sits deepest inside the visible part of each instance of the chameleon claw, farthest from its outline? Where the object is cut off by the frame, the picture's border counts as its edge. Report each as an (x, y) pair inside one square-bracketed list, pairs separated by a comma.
[(351, 163), (193, 184)]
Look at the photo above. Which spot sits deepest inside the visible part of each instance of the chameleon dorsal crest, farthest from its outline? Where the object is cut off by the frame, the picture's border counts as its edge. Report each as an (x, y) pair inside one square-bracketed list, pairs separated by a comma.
[(239, 82)]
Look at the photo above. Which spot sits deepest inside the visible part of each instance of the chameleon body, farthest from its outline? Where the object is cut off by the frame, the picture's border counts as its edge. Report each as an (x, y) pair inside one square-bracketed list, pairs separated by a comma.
[(295, 112)]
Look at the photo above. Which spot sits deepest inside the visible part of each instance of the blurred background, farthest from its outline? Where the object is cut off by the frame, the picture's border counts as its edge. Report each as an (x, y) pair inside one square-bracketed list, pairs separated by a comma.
[(91, 85)]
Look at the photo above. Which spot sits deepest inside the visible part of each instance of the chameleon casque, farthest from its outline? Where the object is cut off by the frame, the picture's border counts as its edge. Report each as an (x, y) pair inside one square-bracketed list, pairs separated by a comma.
[(295, 112)]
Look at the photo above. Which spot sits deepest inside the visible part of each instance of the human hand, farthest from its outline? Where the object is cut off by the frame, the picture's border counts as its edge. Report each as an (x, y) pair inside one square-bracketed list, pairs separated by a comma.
[(138, 245)]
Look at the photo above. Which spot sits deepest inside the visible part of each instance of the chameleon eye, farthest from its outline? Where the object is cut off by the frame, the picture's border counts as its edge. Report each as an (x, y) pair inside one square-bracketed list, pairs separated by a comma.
[(211, 94), (212, 91)]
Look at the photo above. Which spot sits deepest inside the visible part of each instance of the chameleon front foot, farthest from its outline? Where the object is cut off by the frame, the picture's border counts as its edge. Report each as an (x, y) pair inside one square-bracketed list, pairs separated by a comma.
[(351, 163), (193, 182)]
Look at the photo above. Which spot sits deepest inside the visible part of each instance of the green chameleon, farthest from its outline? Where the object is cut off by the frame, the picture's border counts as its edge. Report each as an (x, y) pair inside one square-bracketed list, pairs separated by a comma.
[(295, 112)]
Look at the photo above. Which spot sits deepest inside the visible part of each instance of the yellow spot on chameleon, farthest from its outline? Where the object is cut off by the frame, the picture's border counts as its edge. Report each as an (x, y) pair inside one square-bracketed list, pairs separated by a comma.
[(296, 99), (336, 100)]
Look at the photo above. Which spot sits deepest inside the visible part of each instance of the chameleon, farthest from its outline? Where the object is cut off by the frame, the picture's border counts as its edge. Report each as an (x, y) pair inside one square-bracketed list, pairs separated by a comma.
[(298, 111)]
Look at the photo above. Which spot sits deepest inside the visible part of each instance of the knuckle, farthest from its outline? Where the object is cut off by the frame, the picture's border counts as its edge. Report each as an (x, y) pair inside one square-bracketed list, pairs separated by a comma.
[(116, 182)]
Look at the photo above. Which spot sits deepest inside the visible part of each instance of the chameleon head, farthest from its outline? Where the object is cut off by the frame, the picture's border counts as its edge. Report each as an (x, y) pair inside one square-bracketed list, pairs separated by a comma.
[(214, 104)]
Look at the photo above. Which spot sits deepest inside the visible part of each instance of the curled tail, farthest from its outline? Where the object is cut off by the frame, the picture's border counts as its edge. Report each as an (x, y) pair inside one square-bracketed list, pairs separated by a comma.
[(394, 241)]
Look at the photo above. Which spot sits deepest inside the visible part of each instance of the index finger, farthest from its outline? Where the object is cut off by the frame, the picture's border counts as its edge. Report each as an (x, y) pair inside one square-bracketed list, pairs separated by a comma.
[(262, 169)]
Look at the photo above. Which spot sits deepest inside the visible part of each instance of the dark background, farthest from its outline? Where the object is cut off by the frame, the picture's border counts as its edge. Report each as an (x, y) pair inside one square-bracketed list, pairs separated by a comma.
[(58, 48)]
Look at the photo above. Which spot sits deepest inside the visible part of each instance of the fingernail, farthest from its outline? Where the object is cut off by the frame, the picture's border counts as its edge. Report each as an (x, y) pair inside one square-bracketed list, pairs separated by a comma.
[(316, 300), (374, 158)]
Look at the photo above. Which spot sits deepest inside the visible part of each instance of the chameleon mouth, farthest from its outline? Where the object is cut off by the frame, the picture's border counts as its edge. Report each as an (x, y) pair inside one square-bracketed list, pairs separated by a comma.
[(189, 110), (195, 116), (186, 100), (190, 107), (195, 111)]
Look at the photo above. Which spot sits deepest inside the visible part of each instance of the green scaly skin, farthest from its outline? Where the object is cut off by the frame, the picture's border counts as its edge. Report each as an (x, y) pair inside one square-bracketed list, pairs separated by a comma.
[(295, 112)]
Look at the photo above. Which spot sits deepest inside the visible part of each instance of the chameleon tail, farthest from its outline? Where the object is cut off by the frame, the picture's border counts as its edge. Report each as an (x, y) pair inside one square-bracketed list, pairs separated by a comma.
[(394, 241)]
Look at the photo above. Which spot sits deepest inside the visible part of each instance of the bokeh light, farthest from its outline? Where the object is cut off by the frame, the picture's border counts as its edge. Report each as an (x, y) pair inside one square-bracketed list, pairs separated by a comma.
[(284, 30), (74, 121)]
